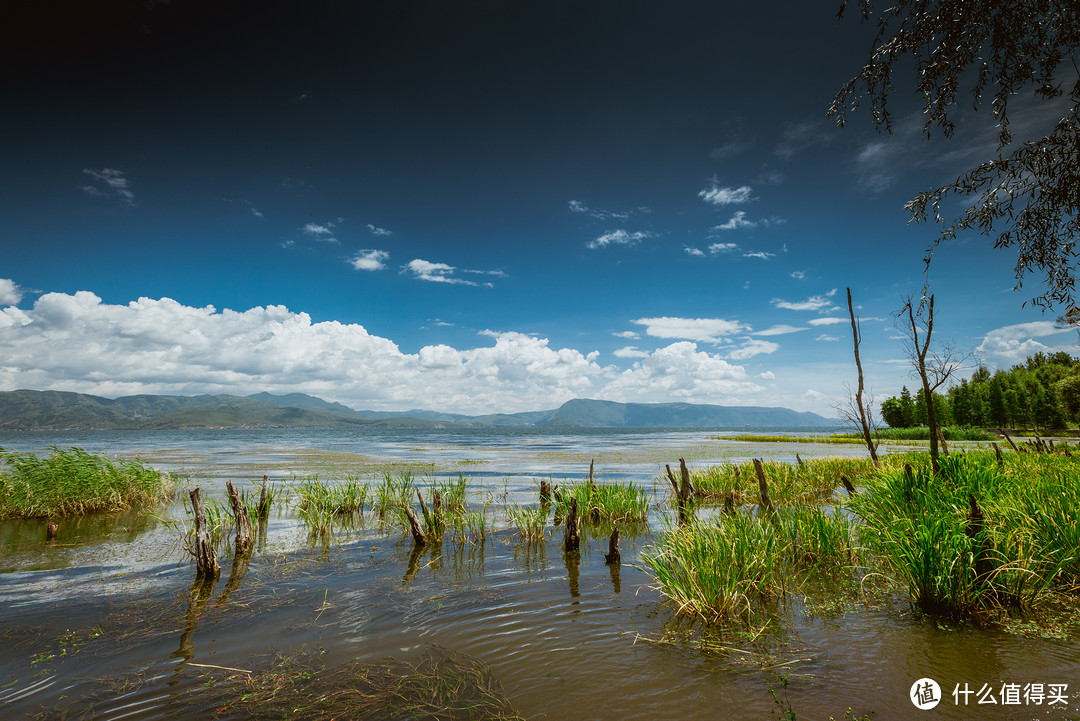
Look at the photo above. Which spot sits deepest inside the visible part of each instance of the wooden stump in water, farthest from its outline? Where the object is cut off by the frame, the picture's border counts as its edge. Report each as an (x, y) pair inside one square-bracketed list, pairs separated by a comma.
[(613, 555), (847, 485), (545, 493), (571, 539), (206, 563), (417, 533), (51, 532), (729, 502), (799, 460), (263, 510), (244, 537), (685, 488), (672, 481), (763, 485), (997, 452)]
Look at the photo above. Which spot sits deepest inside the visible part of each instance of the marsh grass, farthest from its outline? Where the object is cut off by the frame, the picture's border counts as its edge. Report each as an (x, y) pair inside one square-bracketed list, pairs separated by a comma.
[(604, 502), (1024, 547), (395, 492), (529, 521), (440, 684), (71, 482)]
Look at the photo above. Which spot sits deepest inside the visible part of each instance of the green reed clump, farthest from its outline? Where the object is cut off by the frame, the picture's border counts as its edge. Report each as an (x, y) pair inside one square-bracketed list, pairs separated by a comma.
[(598, 502), (1017, 543), (322, 503), (811, 482), (393, 493), (726, 565), (530, 521), (72, 482)]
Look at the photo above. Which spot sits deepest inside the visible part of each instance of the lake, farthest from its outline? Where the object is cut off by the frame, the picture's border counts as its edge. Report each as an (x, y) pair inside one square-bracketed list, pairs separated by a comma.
[(108, 624)]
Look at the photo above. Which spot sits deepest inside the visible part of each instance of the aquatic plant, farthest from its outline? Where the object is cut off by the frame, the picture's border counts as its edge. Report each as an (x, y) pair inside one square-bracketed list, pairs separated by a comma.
[(72, 482), (393, 493), (598, 502), (530, 521)]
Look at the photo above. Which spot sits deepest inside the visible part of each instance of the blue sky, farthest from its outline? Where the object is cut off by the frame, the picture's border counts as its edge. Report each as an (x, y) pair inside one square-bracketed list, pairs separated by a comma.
[(472, 207)]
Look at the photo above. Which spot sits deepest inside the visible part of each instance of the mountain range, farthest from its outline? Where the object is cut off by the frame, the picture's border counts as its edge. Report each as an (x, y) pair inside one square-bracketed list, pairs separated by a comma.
[(62, 410)]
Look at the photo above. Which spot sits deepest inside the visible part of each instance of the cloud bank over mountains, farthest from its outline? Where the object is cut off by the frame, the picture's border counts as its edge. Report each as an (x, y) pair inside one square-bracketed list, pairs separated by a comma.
[(77, 342)]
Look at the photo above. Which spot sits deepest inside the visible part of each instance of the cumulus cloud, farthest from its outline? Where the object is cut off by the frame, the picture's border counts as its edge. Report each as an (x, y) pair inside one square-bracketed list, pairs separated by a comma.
[(829, 320), (162, 346), (718, 195), (797, 274), (628, 334), (369, 259), (717, 248), (696, 252), (708, 330), (10, 293), (375, 230), (630, 352), (815, 302), (618, 237), (681, 371), (109, 182), (1012, 344)]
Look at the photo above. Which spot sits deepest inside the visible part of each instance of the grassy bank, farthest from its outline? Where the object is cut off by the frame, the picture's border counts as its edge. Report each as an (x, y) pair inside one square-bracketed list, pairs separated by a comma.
[(72, 482)]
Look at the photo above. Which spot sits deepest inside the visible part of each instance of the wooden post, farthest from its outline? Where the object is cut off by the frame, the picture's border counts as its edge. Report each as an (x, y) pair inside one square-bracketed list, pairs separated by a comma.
[(799, 460), (414, 526), (51, 532), (545, 493), (1010, 440), (763, 485), (206, 563), (244, 537), (685, 488), (997, 452), (571, 539), (613, 555), (671, 479), (729, 502), (263, 511), (591, 463), (847, 485), (944, 446)]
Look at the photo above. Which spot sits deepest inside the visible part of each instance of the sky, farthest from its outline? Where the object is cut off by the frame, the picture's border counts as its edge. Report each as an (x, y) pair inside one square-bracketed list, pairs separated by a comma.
[(475, 206)]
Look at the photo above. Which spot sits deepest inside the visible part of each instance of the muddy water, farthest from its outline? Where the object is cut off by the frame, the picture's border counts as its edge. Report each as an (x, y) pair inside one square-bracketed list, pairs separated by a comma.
[(107, 624)]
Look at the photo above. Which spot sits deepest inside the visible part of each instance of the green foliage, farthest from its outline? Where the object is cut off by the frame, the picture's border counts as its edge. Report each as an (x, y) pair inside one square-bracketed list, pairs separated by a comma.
[(72, 482), (605, 502)]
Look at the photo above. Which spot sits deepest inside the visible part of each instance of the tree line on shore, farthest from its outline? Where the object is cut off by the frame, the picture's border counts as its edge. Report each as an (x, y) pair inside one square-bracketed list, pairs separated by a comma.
[(1040, 394)]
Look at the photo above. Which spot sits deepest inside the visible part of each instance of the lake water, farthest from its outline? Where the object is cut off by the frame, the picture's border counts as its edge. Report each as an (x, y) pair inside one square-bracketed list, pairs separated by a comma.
[(107, 623)]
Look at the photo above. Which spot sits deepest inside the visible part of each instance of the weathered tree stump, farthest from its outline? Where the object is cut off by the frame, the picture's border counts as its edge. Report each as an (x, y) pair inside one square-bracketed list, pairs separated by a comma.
[(1000, 459), (974, 530), (571, 539), (591, 464), (245, 539), (672, 481), (262, 512), (685, 488), (206, 563), (545, 493), (941, 439), (729, 502), (613, 555), (763, 485), (1010, 440), (414, 526), (51, 532), (848, 485), (799, 460)]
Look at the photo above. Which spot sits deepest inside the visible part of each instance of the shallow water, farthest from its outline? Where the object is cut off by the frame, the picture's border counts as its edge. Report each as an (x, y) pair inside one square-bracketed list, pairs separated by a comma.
[(108, 623)]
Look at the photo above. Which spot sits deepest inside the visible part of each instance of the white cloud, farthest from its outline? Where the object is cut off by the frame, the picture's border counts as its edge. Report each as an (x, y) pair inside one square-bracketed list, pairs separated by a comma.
[(10, 293), (753, 347), (735, 146), (1012, 344), (630, 352), (162, 346), (779, 330), (369, 259), (717, 195), (618, 237), (716, 248), (444, 273), (628, 334), (576, 206), (708, 330), (110, 182), (797, 274), (759, 254), (696, 252), (322, 233), (378, 231), (815, 396), (814, 302), (737, 221), (681, 371), (829, 320), (827, 337)]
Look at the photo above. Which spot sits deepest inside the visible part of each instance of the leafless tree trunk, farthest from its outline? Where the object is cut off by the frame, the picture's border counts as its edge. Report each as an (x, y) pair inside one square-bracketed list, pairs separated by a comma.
[(933, 366), (862, 411)]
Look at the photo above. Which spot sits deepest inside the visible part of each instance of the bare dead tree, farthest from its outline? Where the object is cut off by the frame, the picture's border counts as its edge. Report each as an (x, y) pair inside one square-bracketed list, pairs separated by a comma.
[(858, 408), (933, 364)]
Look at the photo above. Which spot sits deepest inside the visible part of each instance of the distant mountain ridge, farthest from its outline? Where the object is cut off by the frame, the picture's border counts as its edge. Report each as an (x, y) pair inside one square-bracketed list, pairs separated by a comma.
[(63, 410)]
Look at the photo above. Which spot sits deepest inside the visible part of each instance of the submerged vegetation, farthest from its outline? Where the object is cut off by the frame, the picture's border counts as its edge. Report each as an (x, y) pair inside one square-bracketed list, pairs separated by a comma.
[(72, 482)]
